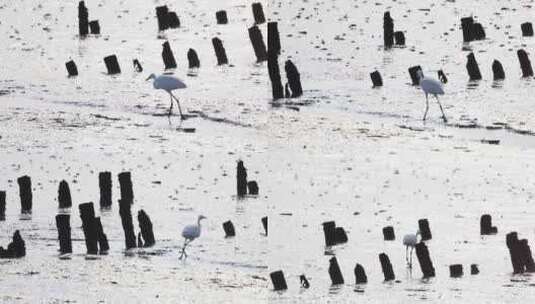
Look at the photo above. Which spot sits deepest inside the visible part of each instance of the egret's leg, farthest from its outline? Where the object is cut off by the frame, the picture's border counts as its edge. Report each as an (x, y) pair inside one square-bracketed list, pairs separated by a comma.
[(170, 109), (410, 262), (443, 115), (426, 106), (178, 103), (184, 249), (407, 254)]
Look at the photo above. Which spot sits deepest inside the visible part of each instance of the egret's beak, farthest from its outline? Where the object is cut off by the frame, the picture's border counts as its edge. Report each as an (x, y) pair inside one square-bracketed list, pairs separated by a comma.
[(148, 78)]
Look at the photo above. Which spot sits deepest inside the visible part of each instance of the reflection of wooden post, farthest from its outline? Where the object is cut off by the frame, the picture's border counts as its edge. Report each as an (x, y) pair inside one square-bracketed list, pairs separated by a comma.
[(64, 233), (87, 214), (64, 195), (25, 193)]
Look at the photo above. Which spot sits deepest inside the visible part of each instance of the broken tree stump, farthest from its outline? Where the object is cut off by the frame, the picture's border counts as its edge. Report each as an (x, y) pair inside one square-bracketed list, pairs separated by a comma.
[(473, 68), (277, 278), (425, 261), (425, 232), (15, 249), (259, 47), (71, 68), (334, 272), (497, 70), (25, 194), (64, 195), (294, 79), (525, 63), (241, 179), (83, 16), (193, 59), (145, 226), (87, 214), (388, 30), (112, 65), (221, 17), (360, 275), (101, 237), (377, 80), (104, 183), (485, 225), (219, 51), (94, 27), (386, 266), (258, 13), (64, 233), (229, 229), (527, 29), (168, 57), (126, 220)]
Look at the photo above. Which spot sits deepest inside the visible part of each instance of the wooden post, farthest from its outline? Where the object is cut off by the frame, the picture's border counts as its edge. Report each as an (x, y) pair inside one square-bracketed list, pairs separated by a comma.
[(193, 59), (442, 77), (479, 31), (413, 72), (15, 249), (304, 282), (425, 232), (252, 186), (221, 17), (527, 29), (3, 206), (340, 235), (126, 221), (162, 15), (258, 13), (83, 26), (525, 63), (456, 270), (473, 269), (112, 65), (485, 225), (467, 24), (527, 258), (399, 38), (125, 184), (277, 278), (64, 233), (265, 224), (87, 214), (104, 183), (273, 60), (229, 229), (137, 66), (219, 51), (515, 252), (64, 195), (168, 57), (387, 267), (255, 35), (473, 68), (25, 194), (425, 261), (94, 27), (101, 237), (173, 20), (241, 177), (334, 272), (294, 79), (497, 70), (360, 275), (388, 30), (377, 80), (388, 233), (329, 231), (71, 68), (145, 226)]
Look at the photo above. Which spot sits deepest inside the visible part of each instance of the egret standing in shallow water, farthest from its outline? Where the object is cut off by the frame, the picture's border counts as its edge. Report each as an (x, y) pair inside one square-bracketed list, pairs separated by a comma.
[(169, 84), (191, 232), (410, 240), (434, 87)]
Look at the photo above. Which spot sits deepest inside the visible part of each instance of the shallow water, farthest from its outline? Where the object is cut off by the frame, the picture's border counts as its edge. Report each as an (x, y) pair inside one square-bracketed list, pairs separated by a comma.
[(356, 155)]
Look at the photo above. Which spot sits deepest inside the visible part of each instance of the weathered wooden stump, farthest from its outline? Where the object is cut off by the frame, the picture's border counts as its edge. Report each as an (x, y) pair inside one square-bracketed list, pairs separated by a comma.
[(220, 52), (294, 79), (525, 63), (137, 66), (425, 261), (101, 237), (83, 16), (94, 27), (172, 20), (221, 17), (467, 24), (125, 184), (126, 221), (193, 59), (334, 272), (229, 229), (474, 269), (360, 275), (388, 30), (87, 214), (456, 270), (3, 206), (527, 29), (386, 266), (64, 195), (104, 183), (71, 68), (258, 13), (168, 57), (25, 194), (388, 233), (241, 179), (265, 224), (377, 80), (425, 232), (162, 15), (15, 249), (64, 233), (479, 31), (497, 70), (329, 231), (485, 225), (252, 186), (473, 68), (274, 48), (413, 72), (340, 235), (399, 38), (145, 226), (112, 65), (515, 252), (259, 47), (277, 278)]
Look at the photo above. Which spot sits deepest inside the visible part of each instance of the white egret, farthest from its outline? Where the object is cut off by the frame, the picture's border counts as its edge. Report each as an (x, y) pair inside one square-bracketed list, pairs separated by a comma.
[(434, 87), (169, 84), (191, 232), (410, 240)]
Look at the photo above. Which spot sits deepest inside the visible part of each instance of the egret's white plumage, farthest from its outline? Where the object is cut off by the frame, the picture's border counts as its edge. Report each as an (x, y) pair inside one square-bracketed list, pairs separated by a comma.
[(168, 84), (191, 232), (433, 87), (410, 240)]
